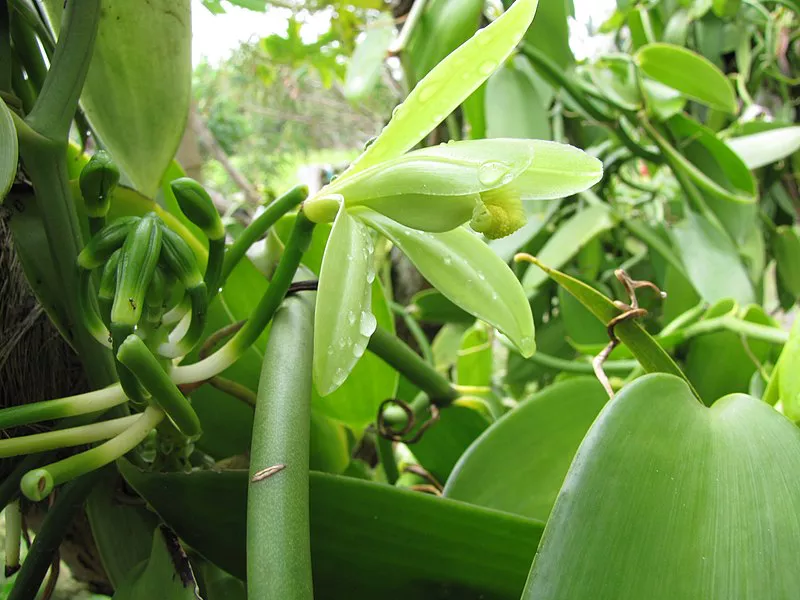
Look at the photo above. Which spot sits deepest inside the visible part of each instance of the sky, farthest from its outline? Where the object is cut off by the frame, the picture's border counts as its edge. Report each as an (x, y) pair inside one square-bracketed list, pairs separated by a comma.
[(215, 36)]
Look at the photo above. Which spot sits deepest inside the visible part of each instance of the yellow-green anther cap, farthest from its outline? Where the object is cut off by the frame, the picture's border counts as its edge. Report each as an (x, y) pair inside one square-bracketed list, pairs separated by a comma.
[(97, 180), (198, 207), (499, 213)]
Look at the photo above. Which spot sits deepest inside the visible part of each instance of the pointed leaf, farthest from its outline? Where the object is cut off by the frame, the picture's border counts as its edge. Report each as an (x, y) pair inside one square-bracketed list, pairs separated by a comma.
[(448, 85), (712, 261), (343, 321), (8, 151), (360, 533), (667, 499), (514, 108), (528, 451), (138, 88), (766, 147), (644, 348), (464, 269), (689, 73)]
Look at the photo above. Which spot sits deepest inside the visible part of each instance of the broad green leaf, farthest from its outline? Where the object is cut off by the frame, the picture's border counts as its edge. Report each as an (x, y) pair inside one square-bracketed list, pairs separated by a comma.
[(669, 500), (616, 77), (519, 463), (711, 260), (366, 64), (689, 73), (723, 363), (138, 88), (360, 533), (343, 320), (786, 249), (644, 348), (581, 325), (663, 101), (432, 307), (447, 85), (766, 147), (475, 357), (441, 446), (122, 531), (568, 239), (446, 343), (514, 108), (466, 271), (725, 9), (166, 575), (9, 151)]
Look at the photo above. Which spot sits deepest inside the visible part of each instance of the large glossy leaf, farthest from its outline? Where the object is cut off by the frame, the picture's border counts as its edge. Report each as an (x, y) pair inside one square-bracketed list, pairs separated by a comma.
[(465, 270), (343, 320), (711, 261), (166, 575), (766, 147), (514, 108), (689, 73), (138, 88), (519, 463), (567, 241), (366, 64), (667, 499), (447, 85), (8, 151), (367, 540)]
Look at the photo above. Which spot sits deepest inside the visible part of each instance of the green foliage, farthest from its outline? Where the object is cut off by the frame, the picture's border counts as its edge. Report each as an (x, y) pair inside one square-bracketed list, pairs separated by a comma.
[(592, 436)]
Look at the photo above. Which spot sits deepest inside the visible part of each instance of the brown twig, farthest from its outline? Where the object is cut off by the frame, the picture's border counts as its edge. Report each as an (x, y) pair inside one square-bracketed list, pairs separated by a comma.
[(425, 474)]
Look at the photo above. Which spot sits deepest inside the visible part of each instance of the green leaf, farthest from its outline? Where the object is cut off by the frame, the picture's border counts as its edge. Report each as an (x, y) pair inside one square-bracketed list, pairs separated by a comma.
[(766, 147), (360, 534), (567, 241), (447, 85), (712, 262), (689, 73), (667, 499), (786, 249), (9, 151), (366, 64), (644, 348), (343, 320), (432, 307), (466, 271), (514, 108), (475, 357), (138, 105), (788, 373), (166, 575), (550, 30), (528, 451)]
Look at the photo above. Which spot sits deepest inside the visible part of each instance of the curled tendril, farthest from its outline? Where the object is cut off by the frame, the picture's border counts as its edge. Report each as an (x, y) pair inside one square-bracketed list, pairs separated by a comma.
[(387, 431)]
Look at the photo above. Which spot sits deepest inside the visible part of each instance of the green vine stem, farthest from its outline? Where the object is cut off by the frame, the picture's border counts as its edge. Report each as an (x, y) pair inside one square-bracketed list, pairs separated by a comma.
[(415, 330), (64, 438), (289, 201), (278, 531), (38, 483), (27, 51), (59, 518), (298, 243), (6, 62), (396, 353), (90, 402), (13, 533)]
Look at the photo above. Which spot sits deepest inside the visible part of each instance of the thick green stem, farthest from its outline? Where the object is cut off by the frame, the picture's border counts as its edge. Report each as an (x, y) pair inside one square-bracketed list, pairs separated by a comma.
[(13, 533), (64, 438), (387, 459), (393, 351), (47, 541), (278, 532), (256, 230), (298, 243), (28, 52), (58, 100), (96, 401)]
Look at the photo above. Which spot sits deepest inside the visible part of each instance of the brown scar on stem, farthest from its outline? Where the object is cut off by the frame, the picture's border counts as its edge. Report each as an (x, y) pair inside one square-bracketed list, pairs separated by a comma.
[(267, 473)]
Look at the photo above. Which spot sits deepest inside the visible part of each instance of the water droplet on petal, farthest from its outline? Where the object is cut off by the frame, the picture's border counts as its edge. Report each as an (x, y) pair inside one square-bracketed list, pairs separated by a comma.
[(368, 324), (426, 93), (492, 172), (448, 261), (351, 317), (487, 68), (360, 347), (339, 377)]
